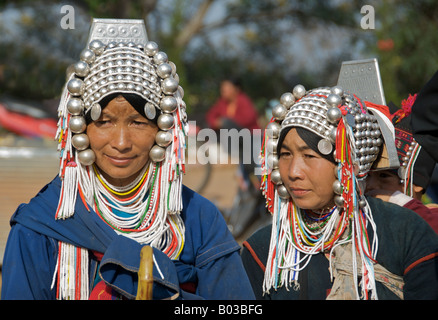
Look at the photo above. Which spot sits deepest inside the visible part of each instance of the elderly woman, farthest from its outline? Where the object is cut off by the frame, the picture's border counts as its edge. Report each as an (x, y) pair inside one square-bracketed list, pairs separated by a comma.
[(122, 138), (327, 240)]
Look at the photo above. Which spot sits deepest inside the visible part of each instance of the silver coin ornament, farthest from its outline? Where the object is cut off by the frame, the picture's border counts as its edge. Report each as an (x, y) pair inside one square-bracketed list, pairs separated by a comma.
[(96, 111), (325, 146), (150, 111)]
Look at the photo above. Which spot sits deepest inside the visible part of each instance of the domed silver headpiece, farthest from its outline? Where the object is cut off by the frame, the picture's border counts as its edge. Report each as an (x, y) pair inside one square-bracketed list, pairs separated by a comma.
[(120, 59)]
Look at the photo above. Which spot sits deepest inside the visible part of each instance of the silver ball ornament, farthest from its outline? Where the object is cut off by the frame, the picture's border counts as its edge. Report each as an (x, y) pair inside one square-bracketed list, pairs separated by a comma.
[(168, 104), (88, 56), (87, 157), (151, 48), (282, 192), (339, 201), (279, 112), (157, 153), (81, 68), (163, 138), (333, 115), (332, 135), (271, 146), (287, 99), (97, 47), (160, 57), (165, 121), (273, 129), (276, 177), (272, 161), (75, 106), (299, 91), (164, 70), (337, 90), (337, 187), (334, 100), (169, 85), (77, 124), (80, 141), (75, 86)]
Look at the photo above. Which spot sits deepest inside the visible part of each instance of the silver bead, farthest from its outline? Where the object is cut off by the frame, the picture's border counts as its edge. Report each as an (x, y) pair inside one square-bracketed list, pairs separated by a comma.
[(151, 48), (271, 145), (276, 177), (299, 91), (337, 187), (339, 201), (75, 106), (75, 86), (337, 90), (160, 57), (272, 161), (279, 112), (168, 104), (169, 85), (164, 70), (88, 56), (332, 135), (163, 138), (87, 157), (81, 69), (334, 100), (97, 47), (282, 192), (333, 115), (80, 141), (165, 121), (157, 153), (287, 99), (273, 129), (77, 124)]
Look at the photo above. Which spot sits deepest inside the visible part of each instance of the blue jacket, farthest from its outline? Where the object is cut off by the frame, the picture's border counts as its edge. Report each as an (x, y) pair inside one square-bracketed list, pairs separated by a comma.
[(210, 258)]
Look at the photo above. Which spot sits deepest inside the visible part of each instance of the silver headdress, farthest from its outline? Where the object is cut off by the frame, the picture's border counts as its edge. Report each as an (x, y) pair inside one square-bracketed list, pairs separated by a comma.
[(360, 136), (120, 59)]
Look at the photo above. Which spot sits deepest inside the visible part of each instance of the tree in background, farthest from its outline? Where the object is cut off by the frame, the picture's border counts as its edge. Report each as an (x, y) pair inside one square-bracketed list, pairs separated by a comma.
[(406, 43), (270, 44)]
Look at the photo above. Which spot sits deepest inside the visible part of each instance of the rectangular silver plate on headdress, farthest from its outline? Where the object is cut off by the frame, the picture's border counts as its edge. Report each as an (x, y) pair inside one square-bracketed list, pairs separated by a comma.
[(362, 77), (118, 30)]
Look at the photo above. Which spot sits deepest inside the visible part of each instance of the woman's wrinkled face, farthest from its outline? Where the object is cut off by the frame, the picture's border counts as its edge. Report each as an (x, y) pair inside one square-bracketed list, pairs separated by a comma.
[(306, 175), (121, 139)]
